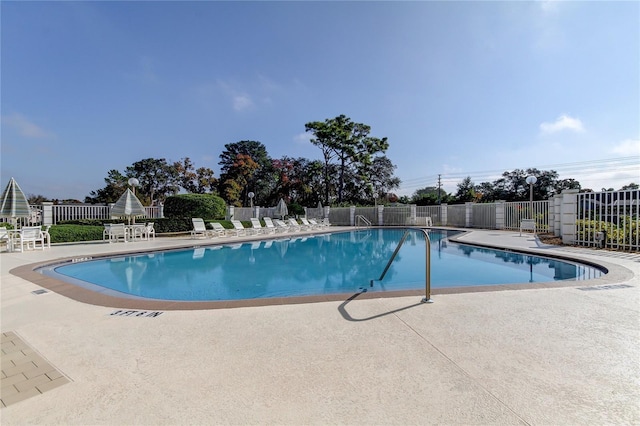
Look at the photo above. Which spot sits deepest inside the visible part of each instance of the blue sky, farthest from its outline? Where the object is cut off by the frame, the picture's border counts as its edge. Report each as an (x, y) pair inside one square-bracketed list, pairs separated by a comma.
[(458, 88)]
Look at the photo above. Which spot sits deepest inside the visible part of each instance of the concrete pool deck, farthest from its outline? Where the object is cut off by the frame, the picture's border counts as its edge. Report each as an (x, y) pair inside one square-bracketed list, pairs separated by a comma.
[(559, 355)]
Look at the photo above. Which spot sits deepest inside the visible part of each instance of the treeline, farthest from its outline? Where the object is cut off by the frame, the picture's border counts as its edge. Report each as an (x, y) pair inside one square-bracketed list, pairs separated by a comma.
[(353, 169), (511, 186)]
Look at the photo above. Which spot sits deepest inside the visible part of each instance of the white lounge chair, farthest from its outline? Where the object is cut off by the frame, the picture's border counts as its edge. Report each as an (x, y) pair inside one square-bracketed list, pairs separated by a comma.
[(281, 226), (268, 223), (306, 224), (315, 223), (218, 229), (238, 228), (293, 224), (259, 229), (199, 228)]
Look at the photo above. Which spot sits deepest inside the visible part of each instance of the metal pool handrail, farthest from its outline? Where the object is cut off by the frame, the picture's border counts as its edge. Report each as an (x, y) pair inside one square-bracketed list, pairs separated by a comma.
[(360, 218), (427, 284)]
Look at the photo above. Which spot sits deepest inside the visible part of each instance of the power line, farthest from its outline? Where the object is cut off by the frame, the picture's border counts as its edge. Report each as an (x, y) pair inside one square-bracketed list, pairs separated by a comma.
[(582, 168)]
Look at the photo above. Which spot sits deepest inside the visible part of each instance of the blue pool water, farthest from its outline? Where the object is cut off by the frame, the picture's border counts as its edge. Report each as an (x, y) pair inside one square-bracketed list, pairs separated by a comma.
[(343, 262)]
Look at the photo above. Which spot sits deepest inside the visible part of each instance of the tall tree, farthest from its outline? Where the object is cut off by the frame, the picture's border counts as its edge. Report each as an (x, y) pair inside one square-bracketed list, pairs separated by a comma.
[(157, 179), (258, 182), (236, 186), (466, 191), (116, 183), (350, 144), (195, 181)]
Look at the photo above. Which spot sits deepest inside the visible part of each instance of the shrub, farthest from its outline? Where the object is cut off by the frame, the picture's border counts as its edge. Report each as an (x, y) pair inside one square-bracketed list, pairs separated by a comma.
[(73, 233), (206, 206), (295, 209)]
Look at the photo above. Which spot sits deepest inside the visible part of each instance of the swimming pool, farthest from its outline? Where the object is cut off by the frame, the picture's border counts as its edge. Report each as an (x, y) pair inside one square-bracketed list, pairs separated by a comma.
[(336, 263)]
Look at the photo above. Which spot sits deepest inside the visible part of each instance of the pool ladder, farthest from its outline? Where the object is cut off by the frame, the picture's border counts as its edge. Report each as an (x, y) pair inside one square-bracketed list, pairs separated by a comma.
[(360, 220), (427, 283)]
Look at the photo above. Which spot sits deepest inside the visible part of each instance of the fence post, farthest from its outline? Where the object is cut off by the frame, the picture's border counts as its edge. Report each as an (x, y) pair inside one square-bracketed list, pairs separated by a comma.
[(568, 210), (500, 220), (443, 214), (380, 215), (47, 213), (230, 212), (557, 215), (256, 213), (352, 215), (326, 210), (413, 215), (468, 215)]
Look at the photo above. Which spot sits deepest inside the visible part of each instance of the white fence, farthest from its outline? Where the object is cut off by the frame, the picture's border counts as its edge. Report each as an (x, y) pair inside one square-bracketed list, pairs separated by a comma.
[(596, 219), (608, 219), (52, 214)]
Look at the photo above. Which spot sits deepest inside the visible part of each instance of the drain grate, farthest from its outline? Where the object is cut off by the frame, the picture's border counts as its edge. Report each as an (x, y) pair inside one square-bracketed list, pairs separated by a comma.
[(605, 287), (41, 291)]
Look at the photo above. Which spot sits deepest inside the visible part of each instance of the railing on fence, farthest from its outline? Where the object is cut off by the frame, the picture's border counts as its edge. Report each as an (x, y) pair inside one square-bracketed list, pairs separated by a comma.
[(515, 211), (614, 214), (580, 218), (457, 215), (484, 216), (434, 212)]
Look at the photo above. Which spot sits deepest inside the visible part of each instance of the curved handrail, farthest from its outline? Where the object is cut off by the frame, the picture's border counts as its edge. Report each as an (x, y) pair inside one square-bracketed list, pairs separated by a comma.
[(427, 298), (360, 218)]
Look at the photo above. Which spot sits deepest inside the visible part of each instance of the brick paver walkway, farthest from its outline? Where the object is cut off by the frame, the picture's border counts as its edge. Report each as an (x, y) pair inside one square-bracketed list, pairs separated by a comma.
[(24, 372)]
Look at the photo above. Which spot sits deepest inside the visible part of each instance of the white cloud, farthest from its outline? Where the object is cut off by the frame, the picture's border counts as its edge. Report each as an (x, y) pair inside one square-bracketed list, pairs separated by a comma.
[(302, 138), (25, 127), (242, 102), (549, 6), (627, 147), (564, 122)]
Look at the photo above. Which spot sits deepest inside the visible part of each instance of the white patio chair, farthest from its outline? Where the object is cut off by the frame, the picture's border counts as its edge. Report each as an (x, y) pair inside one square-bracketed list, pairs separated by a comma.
[(105, 232), (5, 238), (30, 235), (137, 231), (149, 231), (117, 231), (47, 236)]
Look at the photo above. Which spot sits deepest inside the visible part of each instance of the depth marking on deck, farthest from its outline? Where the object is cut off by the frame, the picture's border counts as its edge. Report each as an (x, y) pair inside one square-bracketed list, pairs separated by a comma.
[(605, 287), (126, 313)]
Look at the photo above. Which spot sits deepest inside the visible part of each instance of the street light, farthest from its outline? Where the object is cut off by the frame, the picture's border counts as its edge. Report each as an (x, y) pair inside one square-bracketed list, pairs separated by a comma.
[(531, 180), (133, 182), (251, 195)]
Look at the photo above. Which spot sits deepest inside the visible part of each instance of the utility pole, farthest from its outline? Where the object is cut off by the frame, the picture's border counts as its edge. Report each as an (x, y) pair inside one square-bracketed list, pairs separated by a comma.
[(439, 183)]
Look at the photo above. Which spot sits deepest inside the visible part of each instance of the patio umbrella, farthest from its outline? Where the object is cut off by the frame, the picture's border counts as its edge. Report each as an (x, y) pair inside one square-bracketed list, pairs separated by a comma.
[(128, 206), (281, 209), (14, 202)]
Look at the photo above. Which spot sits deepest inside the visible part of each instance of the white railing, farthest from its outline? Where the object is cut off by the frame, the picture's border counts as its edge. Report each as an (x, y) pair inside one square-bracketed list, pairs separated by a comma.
[(516, 211), (65, 212), (609, 219), (579, 218)]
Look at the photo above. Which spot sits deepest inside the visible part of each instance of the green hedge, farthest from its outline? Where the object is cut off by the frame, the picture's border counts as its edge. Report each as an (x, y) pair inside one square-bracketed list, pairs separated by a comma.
[(206, 206), (74, 233)]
